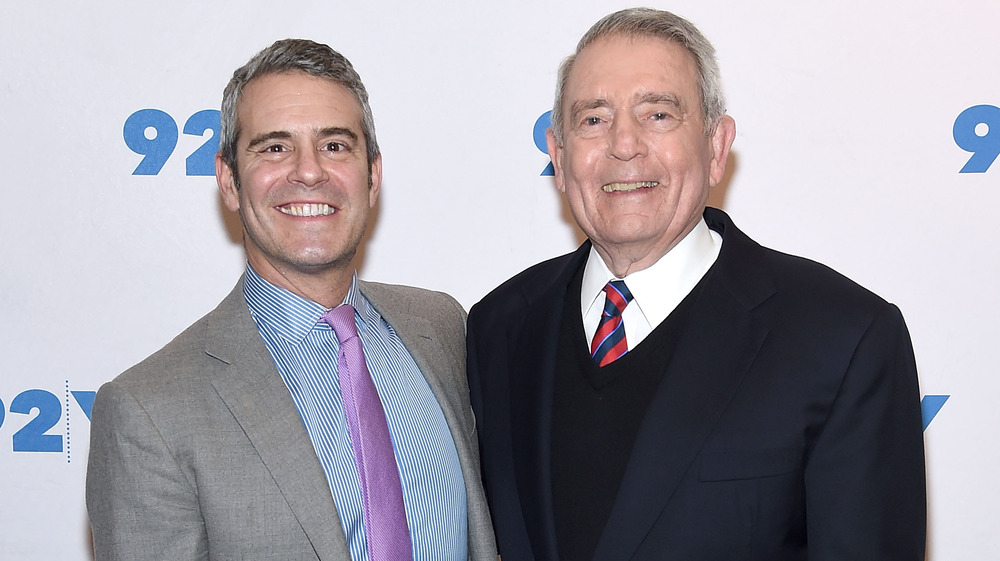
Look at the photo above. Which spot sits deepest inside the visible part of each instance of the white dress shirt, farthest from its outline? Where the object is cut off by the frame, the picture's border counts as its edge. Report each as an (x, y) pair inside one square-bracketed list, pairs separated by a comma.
[(656, 290)]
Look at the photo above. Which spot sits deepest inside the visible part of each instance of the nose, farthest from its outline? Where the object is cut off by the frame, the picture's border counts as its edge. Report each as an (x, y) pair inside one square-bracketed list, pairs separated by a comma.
[(307, 169), (626, 139)]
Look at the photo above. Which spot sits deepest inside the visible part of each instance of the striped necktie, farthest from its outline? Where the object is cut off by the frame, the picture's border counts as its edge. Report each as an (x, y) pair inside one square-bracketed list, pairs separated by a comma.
[(609, 341)]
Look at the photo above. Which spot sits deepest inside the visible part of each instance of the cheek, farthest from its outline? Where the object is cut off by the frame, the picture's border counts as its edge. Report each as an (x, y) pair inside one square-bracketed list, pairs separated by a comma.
[(581, 159), (257, 185), (579, 177), (248, 199), (586, 210), (690, 158)]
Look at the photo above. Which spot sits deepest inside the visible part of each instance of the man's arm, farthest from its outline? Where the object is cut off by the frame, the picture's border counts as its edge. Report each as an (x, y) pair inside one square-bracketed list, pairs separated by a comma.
[(141, 505), (865, 487)]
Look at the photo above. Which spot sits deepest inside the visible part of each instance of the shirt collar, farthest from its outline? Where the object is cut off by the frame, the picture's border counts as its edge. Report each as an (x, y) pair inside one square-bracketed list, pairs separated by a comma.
[(289, 315), (657, 289)]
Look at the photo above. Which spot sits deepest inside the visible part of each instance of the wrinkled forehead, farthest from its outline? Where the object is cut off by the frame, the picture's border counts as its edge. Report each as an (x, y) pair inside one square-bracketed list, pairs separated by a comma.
[(630, 63)]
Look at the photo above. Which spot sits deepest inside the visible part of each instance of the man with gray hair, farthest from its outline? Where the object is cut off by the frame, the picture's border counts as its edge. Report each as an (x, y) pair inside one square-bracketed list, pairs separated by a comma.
[(673, 390), (311, 415)]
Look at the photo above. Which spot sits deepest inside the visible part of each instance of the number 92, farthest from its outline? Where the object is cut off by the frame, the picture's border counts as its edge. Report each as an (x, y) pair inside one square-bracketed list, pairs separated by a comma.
[(157, 150)]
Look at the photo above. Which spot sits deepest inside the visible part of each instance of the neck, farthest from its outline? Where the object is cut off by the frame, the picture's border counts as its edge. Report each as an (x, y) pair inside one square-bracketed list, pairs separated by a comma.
[(625, 258), (622, 262), (326, 287)]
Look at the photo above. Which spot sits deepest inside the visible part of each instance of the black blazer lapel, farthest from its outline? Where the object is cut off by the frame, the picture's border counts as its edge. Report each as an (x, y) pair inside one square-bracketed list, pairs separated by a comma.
[(531, 385), (714, 354)]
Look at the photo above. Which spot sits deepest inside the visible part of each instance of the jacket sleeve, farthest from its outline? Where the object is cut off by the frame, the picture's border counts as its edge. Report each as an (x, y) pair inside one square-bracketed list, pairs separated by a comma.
[(864, 476), (141, 504)]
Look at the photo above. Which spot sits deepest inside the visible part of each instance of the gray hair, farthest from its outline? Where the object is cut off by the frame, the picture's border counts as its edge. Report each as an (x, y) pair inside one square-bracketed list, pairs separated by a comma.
[(647, 22), (290, 55)]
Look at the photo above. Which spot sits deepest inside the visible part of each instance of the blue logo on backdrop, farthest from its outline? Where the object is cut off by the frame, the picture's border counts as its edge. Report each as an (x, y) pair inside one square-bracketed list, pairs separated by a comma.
[(929, 407), (152, 133), (541, 125), (977, 130), (48, 409)]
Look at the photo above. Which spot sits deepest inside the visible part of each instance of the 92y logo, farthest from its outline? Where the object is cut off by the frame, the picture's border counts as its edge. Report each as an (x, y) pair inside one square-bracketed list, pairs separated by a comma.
[(39, 433)]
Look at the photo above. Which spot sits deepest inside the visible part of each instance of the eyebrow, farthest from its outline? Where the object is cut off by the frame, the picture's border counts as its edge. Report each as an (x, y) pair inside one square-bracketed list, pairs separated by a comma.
[(285, 135), (338, 131), (268, 136), (659, 98), (586, 105)]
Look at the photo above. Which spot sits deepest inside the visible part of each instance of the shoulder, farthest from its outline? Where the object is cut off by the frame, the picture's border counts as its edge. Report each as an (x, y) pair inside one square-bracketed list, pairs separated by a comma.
[(181, 365), (157, 397), (396, 301), (186, 349), (754, 271), (402, 294), (828, 309), (816, 287), (799, 297)]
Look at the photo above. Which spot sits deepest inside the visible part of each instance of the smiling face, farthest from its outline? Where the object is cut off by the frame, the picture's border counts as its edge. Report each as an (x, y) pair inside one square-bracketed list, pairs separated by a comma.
[(303, 186), (636, 165)]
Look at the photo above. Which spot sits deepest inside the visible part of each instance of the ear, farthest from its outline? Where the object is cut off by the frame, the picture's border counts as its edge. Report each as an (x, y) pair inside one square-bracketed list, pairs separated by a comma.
[(555, 154), (376, 181), (722, 140), (226, 180)]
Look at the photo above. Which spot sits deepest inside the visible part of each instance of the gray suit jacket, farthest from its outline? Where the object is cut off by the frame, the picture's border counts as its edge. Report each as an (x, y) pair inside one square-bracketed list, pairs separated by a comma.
[(198, 452)]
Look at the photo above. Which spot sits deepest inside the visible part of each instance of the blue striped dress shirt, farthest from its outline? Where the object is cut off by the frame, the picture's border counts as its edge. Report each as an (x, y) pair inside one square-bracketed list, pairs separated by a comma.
[(304, 349)]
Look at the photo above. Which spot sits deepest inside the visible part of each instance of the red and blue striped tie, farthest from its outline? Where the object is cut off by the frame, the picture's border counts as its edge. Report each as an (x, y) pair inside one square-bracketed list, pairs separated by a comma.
[(609, 341)]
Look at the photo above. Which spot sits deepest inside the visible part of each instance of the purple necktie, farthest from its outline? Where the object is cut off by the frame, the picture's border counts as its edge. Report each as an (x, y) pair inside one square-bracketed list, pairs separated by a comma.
[(386, 532)]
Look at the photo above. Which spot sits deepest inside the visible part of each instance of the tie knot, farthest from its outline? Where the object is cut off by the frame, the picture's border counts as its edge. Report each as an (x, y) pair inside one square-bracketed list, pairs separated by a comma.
[(341, 319), (617, 297)]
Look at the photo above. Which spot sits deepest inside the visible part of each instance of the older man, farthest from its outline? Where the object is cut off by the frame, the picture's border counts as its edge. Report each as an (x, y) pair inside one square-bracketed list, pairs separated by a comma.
[(311, 415), (672, 390)]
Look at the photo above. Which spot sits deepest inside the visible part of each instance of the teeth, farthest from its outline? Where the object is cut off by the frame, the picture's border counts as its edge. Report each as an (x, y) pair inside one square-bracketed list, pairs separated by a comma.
[(308, 209), (627, 187)]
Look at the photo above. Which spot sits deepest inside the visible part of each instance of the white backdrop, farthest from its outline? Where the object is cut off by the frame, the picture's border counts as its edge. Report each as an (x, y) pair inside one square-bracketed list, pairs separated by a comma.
[(845, 153)]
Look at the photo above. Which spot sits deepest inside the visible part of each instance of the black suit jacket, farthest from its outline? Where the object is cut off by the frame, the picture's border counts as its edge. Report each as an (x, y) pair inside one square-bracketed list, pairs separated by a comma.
[(786, 426)]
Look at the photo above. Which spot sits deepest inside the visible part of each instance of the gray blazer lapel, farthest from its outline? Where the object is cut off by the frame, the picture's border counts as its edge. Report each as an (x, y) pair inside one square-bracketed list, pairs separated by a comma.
[(440, 355), (254, 392)]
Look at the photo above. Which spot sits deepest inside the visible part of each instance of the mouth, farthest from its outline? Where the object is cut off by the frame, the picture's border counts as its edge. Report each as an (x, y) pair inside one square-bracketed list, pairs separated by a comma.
[(307, 209), (628, 187)]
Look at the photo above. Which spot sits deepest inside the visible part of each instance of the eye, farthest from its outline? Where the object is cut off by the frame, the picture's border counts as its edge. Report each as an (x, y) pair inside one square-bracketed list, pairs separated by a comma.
[(335, 146), (592, 120), (661, 119), (274, 148)]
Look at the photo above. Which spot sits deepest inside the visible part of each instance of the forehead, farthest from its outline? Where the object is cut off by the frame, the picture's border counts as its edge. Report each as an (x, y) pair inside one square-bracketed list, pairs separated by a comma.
[(292, 100), (632, 65)]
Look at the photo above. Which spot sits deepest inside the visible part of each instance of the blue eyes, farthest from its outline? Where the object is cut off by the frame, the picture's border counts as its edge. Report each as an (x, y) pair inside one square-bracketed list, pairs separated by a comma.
[(656, 117)]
